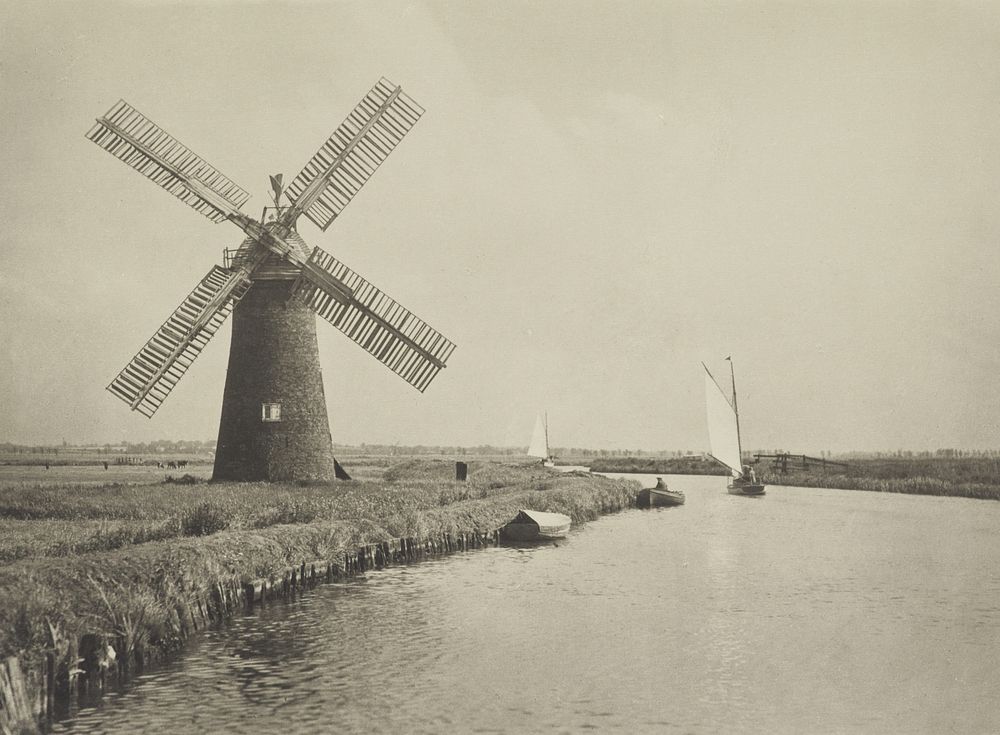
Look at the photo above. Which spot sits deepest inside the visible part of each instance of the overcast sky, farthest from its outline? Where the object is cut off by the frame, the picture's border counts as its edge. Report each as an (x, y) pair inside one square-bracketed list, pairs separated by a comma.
[(600, 196)]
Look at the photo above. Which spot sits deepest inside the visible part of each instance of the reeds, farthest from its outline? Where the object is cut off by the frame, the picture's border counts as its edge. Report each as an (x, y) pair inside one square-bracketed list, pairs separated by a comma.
[(658, 465), (967, 477), (40, 538), (134, 564)]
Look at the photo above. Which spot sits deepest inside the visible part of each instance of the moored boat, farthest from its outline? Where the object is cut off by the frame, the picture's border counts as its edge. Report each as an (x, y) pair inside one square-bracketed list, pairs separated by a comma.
[(534, 525), (659, 496)]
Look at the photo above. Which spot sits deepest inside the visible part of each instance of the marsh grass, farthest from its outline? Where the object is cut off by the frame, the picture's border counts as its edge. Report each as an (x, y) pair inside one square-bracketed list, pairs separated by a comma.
[(185, 479), (970, 477), (40, 538), (128, 561), (657, 465), (410, 484), (204, 519)]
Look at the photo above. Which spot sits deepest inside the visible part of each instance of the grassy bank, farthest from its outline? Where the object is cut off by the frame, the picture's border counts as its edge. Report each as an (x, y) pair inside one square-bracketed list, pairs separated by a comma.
[(970, 477), (137, 566), (658, 466)]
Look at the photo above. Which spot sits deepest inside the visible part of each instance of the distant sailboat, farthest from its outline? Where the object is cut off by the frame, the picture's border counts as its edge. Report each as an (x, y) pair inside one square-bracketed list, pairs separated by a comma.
[(724, 436), (539, 446)]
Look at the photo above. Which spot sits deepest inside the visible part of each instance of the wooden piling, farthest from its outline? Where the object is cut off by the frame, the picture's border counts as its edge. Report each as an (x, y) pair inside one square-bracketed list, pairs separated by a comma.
[(49, 677), (92, 664), (18, 714)]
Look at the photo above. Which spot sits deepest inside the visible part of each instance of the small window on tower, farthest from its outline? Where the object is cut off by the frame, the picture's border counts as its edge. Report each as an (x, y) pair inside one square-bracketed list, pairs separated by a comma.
[(270, 412)]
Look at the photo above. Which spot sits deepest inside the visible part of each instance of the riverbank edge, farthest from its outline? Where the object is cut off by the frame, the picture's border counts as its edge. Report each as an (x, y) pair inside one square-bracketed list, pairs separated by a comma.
[(100, 618), (904, 486)]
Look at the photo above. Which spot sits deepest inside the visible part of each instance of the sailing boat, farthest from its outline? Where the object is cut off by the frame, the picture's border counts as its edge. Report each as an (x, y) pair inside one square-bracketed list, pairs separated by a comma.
[(724, 436), (539, 446)]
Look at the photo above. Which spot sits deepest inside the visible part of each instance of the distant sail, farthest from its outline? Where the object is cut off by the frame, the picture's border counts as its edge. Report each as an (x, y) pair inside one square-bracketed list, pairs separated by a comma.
[(539, 446), (722, 431)]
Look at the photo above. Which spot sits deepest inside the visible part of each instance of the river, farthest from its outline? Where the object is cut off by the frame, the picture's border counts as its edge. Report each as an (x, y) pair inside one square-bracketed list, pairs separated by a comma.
[(805, 611)]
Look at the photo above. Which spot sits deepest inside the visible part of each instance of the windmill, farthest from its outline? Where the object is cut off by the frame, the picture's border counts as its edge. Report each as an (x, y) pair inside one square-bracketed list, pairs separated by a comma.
[(274, 424)]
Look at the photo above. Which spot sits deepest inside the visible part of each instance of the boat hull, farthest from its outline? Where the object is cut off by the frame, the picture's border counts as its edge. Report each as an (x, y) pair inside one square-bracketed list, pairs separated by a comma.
[(534, 526), (651, 497), (748, 488), (531, 532)]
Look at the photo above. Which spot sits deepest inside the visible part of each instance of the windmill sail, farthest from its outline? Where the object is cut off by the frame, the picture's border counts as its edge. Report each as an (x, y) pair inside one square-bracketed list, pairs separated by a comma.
[(353, 152), (723, 434), (150, 376), (539, 446), (132, 137), (383, 327)]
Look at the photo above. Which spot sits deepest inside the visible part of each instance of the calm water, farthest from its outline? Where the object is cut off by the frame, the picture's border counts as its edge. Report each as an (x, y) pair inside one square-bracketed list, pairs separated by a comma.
[(806, 611)]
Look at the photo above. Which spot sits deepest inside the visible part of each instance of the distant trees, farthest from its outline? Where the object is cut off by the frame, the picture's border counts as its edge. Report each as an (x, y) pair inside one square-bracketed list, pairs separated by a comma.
[(168, 446), (195, 447)]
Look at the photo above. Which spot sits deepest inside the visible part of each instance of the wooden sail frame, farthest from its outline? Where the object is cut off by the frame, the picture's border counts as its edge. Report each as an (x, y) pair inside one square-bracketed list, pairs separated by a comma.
[(380, 325), (133, 138), (372, 319), (350, 156), (146, 381)]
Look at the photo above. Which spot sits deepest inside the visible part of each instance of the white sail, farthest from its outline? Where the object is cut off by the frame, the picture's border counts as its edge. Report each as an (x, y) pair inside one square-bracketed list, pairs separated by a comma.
[(723, 434), (539, 446)]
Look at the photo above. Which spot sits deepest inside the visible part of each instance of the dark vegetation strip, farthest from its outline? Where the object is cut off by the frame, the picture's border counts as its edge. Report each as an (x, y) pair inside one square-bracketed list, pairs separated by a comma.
[(69, 621), (658, 466), (908, 485), (966, 477)]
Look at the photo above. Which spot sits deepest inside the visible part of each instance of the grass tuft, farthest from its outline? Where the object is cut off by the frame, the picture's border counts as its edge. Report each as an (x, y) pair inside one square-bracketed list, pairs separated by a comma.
[(204, 519), (185, 479)]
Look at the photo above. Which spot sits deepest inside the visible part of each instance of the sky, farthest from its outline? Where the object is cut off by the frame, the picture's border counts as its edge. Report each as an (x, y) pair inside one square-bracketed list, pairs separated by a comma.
[(601, 196)]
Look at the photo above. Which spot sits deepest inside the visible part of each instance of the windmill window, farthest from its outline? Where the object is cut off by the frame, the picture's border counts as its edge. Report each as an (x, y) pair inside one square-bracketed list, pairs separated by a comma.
[(270, 412)]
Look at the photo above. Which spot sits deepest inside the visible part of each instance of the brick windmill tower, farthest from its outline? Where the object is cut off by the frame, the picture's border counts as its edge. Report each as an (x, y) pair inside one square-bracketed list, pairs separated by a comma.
[(274, 424)]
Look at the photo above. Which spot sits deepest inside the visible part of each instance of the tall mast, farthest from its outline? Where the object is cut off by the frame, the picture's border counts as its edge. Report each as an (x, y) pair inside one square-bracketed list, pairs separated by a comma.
[(548, 450), (736, 411)]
